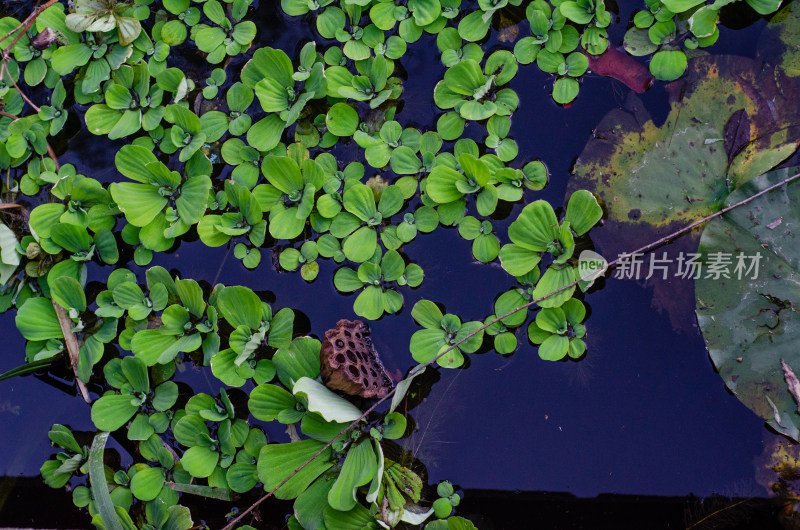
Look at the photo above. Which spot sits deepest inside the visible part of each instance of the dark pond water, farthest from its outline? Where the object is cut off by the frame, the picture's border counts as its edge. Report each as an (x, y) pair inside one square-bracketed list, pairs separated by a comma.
[(643, 414)]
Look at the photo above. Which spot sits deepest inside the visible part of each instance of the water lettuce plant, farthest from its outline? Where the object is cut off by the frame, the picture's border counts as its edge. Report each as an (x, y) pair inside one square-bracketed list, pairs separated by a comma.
[(475, 25), (163, 203), (254, 326), (103, 16), (129, 376), (473, 92), (229, 36), (371, 278), (442, 331), (537, 230), (131, 103), (668, 29), (59, 470), (358, 223), (558, 331), (216, 230)]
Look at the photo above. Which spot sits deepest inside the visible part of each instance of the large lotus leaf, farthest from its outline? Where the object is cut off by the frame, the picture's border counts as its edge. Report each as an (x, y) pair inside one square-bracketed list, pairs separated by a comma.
[(781, 38), (629, 158), (748, 321), (729, 122), (277, 461)]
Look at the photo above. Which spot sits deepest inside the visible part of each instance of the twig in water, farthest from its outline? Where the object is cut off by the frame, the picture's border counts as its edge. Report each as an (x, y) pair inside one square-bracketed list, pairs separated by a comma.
[(3, 72), (72, 347), (24, 26)]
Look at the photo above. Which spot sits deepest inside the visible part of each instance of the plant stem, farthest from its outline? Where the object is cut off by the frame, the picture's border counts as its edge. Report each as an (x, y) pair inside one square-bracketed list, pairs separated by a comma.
[(72, 347), (3, 71), (419, 368), (52, 154), (24, 26)]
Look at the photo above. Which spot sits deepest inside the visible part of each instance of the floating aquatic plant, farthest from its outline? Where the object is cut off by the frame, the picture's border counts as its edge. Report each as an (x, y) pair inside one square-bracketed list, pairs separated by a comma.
[(371, 278), (442, 331), (208, 151)]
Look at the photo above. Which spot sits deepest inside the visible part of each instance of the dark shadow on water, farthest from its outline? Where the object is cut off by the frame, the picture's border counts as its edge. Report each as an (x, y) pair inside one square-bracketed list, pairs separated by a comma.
[(488, 509)]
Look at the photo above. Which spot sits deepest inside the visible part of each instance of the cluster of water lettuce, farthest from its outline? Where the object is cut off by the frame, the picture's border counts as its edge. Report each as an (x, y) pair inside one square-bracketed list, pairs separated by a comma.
[(669, 29), (281, 186)]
